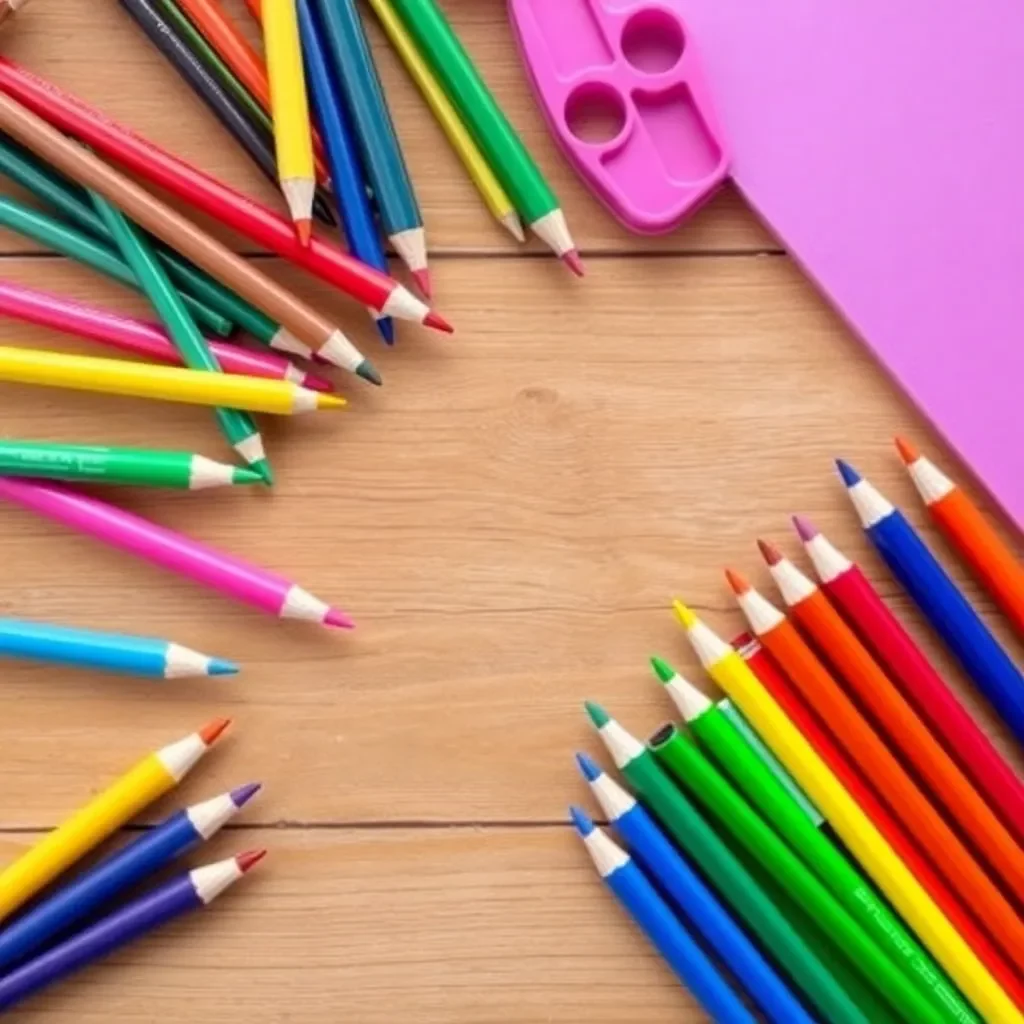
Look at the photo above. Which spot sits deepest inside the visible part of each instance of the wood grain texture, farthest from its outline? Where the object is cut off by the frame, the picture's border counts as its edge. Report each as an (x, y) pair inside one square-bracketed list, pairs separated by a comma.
[(506, 519)]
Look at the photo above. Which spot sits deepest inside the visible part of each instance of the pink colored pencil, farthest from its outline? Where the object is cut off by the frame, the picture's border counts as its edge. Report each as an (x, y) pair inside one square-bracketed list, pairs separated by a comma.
[(140, 337), (249, 584)]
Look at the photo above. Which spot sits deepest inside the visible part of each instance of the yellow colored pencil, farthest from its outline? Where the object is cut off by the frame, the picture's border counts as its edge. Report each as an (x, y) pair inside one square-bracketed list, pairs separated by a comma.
[(479, 170), (140, 786), (289, 106), (164, 383), (905, 893)]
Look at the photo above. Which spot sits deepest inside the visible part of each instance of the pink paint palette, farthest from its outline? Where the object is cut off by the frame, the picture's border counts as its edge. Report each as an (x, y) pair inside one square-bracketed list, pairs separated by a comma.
[(623, 92)]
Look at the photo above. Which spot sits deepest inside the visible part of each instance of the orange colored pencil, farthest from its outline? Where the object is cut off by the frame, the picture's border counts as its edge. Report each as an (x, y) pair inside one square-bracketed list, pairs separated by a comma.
[(937, 841), (852, 663), (249, 67), (989, 557)]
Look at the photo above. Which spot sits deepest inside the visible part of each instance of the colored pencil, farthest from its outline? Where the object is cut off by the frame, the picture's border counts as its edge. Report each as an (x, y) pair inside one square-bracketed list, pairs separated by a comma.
[(892, 784), (141, 337), (504, 150), (355, 76), (163, 383), (722, 869), (357, 218), (236, 211), (129, 467), (963, 524), (238, 427), (156, 19), (289, 107), (964, 740), (494, 196), (681, 759), (144, 783), (8, 8), (656, 920), (782, 691), (71, 204), (167, 224), (850, 660), (108, 652), (167, 901), (690, 897), (940, 600), (99, 256), (118, 872), (717, 734), (232, 576), (876, 856)]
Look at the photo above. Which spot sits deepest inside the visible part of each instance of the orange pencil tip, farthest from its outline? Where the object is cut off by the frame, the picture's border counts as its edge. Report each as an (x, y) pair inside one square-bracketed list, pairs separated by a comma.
[(908, 453), (737, 582), (211, 732), (769, 552), (304, 232), (248, 860)]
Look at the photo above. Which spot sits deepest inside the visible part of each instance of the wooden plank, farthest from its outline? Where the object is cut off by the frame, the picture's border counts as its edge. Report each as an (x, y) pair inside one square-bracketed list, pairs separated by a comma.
[(96, 51), (507, 519), (424, 926)]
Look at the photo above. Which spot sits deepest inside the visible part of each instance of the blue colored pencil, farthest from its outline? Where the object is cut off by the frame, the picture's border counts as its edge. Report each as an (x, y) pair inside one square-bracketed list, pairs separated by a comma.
[(162, 904), (357, 221), (110, 652), (142, 857), (656, 919), (355, 75), (700, 907), (940, 600)]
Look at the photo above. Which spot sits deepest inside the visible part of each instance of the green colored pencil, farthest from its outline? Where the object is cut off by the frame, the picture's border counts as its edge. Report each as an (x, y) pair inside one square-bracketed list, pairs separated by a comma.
[(732, 881), (130, 467), (237, 426), (510, 160), (720, 738), (681, 759)]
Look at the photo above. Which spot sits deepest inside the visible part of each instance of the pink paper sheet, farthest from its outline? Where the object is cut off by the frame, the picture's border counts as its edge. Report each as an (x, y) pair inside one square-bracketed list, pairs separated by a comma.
[(883, 141)]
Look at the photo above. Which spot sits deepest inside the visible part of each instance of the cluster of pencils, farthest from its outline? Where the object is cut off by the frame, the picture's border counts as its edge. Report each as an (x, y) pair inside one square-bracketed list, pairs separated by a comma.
[(838, 833), (50, 929)]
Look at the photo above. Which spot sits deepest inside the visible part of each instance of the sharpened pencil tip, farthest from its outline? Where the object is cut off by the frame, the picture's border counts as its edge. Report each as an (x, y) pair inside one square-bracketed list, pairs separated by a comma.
[(336, 618), (769, 552), (438, 322), (263, 470), (581, 820), (243, 794), (423, 282), (662, 669), (805, 529), (738, 583), (368, 371), (908, 453), (687, 619), (212, 731), (597, 714), (248, 860), (222, 667), (312, 382), (588, 766), (304, 232), (571, 258), (512, 223), (847, 472), (386, 329)]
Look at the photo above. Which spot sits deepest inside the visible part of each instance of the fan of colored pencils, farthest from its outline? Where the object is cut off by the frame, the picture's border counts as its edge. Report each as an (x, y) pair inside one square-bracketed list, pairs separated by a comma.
[(837, 832), (77, 922)]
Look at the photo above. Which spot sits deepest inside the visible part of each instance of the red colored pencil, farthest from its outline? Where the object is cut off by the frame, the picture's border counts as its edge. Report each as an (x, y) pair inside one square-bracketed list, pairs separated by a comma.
[(256, 222), (851, 662), (964, 740), (786, 696), (891, 783), (987, 555)]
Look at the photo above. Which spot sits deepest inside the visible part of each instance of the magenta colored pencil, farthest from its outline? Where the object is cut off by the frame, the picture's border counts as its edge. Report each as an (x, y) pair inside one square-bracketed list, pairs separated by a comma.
[(141, 337), (249, 584)]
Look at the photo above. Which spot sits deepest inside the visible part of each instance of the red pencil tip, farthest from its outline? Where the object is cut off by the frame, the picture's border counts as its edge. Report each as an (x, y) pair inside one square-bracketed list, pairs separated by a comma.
[(737, 581), (315, 383), (338, 619), (908, 453), (423, 282), (304, 232), (805, 529), (438, 322), (211, 732), (248, 860), (769, 552), (572, 260)]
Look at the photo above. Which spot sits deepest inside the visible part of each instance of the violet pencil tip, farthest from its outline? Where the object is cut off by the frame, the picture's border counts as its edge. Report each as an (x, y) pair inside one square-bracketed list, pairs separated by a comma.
[(805, 529), (243, 794), (849, 475), (589, 768)]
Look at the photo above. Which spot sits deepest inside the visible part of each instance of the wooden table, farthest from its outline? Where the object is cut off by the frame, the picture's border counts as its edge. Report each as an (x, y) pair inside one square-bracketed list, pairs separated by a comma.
[(506, 519)]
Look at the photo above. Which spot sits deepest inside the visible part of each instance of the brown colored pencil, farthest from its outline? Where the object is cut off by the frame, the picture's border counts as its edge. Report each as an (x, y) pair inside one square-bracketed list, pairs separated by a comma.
[(171, 227)]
